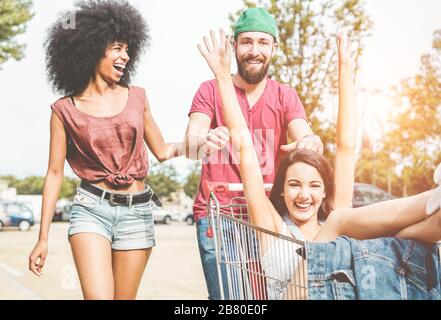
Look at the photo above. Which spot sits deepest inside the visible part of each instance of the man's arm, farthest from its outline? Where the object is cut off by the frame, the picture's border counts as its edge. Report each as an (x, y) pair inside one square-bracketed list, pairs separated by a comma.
[(199, 140)]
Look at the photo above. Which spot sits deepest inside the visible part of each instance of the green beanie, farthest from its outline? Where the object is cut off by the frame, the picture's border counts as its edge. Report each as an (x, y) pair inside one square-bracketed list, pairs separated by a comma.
[(256, 20)]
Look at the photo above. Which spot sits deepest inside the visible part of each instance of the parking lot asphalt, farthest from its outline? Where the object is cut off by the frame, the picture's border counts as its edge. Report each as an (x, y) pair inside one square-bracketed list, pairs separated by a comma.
[(173, 272)]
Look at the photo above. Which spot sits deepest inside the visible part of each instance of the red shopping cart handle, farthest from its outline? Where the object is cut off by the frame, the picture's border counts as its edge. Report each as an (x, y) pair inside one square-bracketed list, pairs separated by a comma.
[(219, 187)]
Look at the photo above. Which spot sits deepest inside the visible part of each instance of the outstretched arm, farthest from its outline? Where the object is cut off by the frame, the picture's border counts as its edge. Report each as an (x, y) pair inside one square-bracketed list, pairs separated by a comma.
[(405, 218), (346, 128), (218, 57)]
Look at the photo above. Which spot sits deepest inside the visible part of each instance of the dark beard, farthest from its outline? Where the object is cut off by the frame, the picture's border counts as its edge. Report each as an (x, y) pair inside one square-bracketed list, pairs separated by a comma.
[(250, 76)]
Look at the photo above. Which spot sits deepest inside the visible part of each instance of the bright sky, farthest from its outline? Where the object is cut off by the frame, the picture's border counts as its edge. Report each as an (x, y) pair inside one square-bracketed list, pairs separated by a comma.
[(172, 69)]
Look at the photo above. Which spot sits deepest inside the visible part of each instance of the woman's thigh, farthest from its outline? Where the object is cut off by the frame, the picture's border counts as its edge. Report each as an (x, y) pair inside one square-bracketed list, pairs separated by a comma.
[(128, 268), (92, 254)]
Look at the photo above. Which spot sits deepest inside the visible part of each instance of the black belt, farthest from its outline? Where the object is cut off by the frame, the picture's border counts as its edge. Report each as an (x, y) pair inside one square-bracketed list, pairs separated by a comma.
[(121, 198)]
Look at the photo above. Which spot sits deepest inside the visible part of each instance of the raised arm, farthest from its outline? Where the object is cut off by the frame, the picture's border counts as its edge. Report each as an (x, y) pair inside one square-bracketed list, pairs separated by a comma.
[(218, 57), (346, 128)]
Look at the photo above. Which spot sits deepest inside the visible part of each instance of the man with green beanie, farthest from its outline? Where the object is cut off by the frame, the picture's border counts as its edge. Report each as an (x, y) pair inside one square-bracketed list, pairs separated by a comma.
[(273, 111)]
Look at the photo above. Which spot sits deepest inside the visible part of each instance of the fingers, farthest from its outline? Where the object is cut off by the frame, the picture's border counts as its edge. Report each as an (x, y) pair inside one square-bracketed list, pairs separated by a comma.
[(223, 38), (228, 45), (214, 44), (306, 143), (289, 147), (222, 132), (341, 42), (34, 266), (219, 137), (214, 40), (207, 44), (202, 51)]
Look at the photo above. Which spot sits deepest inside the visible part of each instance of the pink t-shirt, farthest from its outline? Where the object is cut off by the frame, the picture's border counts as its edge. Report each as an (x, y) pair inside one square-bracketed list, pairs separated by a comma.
[(106, 148), (268, 122)]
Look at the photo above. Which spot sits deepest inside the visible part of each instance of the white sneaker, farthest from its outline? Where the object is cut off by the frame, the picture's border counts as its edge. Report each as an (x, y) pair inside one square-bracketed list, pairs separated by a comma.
[(434, 202)]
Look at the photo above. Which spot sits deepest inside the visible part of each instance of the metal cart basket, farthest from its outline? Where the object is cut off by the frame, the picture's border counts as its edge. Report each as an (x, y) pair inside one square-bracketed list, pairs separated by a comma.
[(253, 263)]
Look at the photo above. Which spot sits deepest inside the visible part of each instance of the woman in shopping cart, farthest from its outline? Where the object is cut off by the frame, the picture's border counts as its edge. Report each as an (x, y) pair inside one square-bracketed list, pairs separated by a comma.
[(308, 201)]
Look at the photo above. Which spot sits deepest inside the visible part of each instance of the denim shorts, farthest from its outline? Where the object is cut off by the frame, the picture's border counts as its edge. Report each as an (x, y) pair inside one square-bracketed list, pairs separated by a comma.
[(126, 228), (375, 269)]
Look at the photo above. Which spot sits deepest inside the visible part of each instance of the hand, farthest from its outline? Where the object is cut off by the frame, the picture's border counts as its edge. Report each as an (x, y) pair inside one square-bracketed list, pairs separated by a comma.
[(345, 59), (215, 140), (217, 55), (37, 257), (311, 142)]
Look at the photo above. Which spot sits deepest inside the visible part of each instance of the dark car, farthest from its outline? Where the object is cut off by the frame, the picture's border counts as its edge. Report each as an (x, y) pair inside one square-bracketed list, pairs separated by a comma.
[(62, 213), (16, 214), (365, 194)]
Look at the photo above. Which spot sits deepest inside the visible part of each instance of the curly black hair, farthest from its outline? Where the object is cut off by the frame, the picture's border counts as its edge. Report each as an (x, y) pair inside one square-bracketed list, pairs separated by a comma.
[(73, 53)]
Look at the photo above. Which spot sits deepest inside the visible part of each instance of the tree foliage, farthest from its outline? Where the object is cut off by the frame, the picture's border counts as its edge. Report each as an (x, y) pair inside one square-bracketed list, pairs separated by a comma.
[(307, 55), (162, 179), (192, 184), (33, 185), (416, 136), (14, 14), (412, 147)]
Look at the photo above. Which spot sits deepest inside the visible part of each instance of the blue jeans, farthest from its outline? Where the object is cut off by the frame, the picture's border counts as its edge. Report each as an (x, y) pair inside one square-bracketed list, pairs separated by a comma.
[(208, 258), (380, 269), (239, 249)]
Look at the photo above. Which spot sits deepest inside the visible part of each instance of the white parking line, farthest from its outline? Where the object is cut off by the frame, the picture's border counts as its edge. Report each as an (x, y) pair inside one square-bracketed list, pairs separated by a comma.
[(11, 275), (12, 271)]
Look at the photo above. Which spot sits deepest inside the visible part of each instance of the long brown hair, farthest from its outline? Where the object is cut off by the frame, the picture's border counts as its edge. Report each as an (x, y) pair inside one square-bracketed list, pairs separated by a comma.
[(314, 159)]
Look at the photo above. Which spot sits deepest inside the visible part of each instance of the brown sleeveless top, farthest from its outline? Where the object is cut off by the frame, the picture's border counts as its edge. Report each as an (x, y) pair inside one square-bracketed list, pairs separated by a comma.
[(106, 148)]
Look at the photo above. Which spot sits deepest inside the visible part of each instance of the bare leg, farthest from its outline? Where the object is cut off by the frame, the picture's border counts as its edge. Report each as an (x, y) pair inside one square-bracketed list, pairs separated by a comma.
[(128, 267), (93, 260)]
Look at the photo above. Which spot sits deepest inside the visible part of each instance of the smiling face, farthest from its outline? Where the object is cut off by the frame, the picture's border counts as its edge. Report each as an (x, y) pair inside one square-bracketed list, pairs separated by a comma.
[(111, 66), (303, 192), (254, 51)]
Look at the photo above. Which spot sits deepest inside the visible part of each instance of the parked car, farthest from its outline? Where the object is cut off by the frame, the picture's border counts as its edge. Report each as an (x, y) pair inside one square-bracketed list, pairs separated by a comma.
[(189, 218), (16, 214), (365, 194), (162, 216), (62, 213)]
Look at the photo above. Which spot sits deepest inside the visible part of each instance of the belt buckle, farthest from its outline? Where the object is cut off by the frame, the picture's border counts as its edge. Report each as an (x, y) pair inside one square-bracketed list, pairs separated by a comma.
[(112, 201)]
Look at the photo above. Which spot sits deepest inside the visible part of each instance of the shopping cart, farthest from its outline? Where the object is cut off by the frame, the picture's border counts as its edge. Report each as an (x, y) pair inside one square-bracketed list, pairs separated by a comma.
[(253, 263)]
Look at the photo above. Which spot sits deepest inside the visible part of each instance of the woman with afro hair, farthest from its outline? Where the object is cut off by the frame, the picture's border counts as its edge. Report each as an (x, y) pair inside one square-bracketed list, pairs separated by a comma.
[(99, 126)]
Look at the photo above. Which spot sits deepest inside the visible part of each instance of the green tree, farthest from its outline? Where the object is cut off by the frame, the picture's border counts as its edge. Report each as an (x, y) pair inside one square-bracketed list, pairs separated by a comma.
[(163, 179), (29, 185), (10, 179), (307, 59), (34, 185), (376, 167), (416, 135), (69, 187), (14, 14), (192, 184)]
